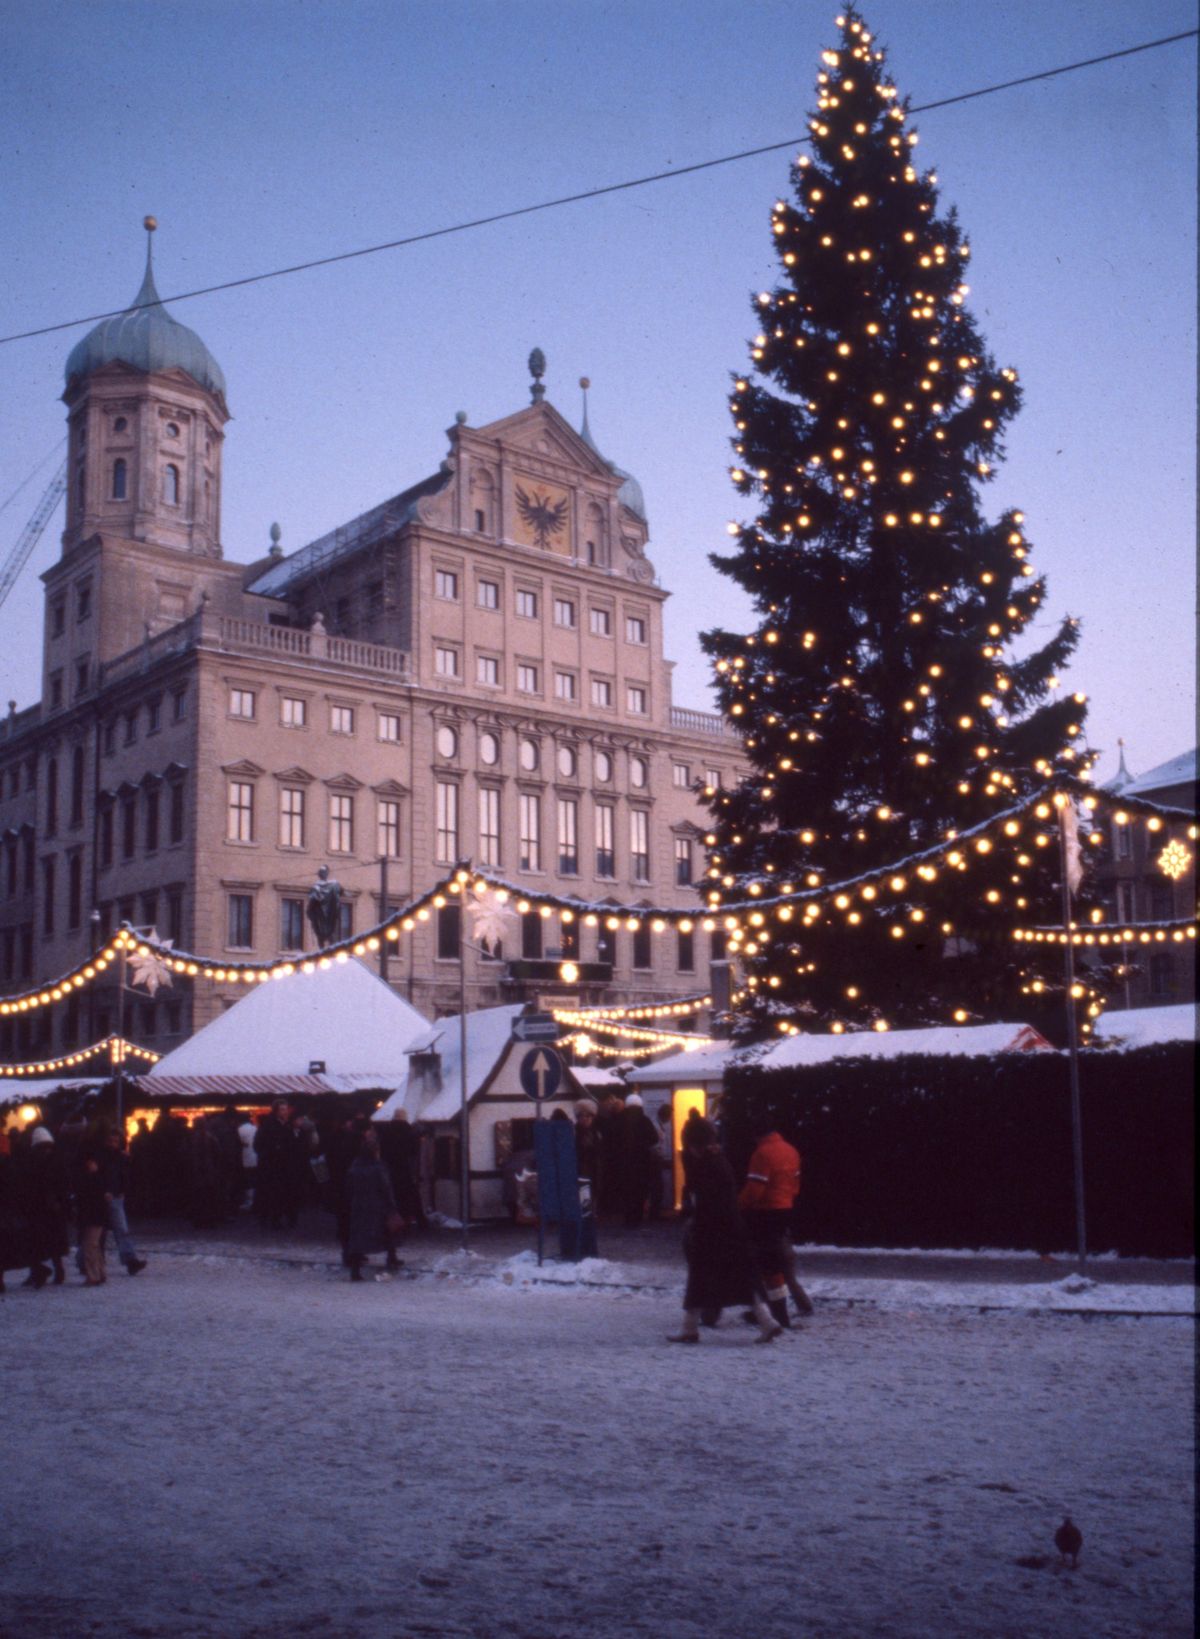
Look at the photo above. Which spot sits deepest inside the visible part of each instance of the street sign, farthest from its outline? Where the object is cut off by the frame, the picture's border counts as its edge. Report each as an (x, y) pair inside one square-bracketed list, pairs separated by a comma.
[(541, 1073), (536, 1027)]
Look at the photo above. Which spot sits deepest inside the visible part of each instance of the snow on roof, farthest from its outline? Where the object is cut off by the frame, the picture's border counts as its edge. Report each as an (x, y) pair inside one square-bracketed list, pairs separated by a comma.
[(1145, 1027), (595, 1076), (942, 1041), (342, 1015), (1179, 770), (489, 1032), (32, 1092)]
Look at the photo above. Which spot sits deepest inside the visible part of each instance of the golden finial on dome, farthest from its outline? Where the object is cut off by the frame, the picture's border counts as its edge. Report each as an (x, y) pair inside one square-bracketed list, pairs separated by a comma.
[(149, 223)]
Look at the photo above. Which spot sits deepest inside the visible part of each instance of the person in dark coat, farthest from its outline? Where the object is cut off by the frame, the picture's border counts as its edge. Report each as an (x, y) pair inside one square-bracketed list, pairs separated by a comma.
[(48, 1201), (91, 1207), (721, 1269), (280, 1168), (372, 1208), (14, 1226), (400, 1148), (609, 1200), (638, 1138)]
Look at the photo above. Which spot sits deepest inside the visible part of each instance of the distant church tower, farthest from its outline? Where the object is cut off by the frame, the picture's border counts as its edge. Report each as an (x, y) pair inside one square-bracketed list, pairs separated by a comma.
[(146, 409)]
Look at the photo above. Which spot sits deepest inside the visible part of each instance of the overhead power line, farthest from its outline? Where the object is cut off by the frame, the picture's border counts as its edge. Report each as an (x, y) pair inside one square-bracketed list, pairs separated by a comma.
[(594, 193)]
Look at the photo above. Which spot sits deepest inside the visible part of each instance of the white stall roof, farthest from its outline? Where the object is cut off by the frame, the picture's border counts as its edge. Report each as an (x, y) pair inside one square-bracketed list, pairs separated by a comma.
[(489, 1032), (1146, 1027), (342, 1016)]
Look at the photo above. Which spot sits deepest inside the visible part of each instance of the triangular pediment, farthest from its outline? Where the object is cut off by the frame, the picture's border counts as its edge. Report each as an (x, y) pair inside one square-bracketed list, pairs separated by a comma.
[(344, 782), (543, 433), (390, 788), (245, 770), (296, 776)]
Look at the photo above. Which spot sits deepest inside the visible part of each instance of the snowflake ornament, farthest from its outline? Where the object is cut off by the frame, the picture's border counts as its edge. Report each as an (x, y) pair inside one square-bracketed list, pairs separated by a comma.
[(491, 921), (149, 967)]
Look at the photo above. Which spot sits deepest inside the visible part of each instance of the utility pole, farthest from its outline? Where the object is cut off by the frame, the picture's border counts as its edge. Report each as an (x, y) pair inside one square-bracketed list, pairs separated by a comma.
[(383, 910), (1072, 1040)]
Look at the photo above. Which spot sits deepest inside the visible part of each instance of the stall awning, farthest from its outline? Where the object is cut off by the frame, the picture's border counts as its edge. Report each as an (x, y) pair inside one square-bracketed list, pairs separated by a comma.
[(253, 1089)]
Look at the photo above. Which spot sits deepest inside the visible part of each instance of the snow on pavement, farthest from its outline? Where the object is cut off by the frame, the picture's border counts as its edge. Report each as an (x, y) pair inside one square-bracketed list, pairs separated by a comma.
[(249, 1450)]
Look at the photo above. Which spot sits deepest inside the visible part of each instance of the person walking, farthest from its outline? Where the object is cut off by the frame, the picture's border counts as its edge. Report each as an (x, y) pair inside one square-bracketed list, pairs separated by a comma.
[(113, 1171), (721, 1270), (48, 1198), (246, 1132), (373, 1217), (766, 1200), (91, 1207)]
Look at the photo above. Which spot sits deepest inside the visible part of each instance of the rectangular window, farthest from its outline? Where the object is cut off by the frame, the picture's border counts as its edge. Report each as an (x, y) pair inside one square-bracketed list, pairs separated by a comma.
[(606, 946), (568, 836), (388, 727), (681, 775), (341, 824), (635, 699), (241, 922), (179, 705), (531, 936), (293, 711), (445, 661), (241, 702), (106, 847), (487, 670), (639, 844), (565, 686), (83, 600), (175, 916), (1124, 840), (154, 715), (564, 612), (447, 823), (131, 721), (718, 945), (606, 859), (487, 594), (601, 691), (445, 584), (527, 603), (175, 822), (291, 817), (712, 777), (152, 815), (291, 924), (527, 679), (149, 910), (489, 825), (341, 719), (58, 618), (346, 919), (685, 951), (48, 895), (75, 892), (240, 827), (683, 862), (642, 950), (530, 852), (388, 829), (128, 827), (635, 629), (600, 622), (1161, 974), (110, 737), (449, 933)]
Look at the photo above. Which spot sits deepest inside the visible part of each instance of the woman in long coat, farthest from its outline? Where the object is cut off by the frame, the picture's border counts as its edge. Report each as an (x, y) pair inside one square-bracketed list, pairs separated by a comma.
[(721, 1268), (49, 1208), (372, 1208)]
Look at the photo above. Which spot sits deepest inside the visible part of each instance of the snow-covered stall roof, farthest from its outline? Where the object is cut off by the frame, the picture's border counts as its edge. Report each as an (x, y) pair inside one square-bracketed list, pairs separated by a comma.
[(32, 1092), (342, 1016), (943, 1041), (489, 1032), (1145, 1027)]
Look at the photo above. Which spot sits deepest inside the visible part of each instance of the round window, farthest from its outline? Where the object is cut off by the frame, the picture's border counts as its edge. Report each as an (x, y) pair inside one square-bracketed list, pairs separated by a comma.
[(567, 762), (172, 429), (447, 741), (603, 766), (529, 755), (637, 772), (489, 749)]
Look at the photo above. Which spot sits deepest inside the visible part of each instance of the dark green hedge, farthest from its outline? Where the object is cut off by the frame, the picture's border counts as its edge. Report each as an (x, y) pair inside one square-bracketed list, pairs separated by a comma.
[(956, 1152)]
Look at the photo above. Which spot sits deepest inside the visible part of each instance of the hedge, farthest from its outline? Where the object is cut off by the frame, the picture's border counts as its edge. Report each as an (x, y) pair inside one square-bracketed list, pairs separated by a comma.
[(960, 1152)]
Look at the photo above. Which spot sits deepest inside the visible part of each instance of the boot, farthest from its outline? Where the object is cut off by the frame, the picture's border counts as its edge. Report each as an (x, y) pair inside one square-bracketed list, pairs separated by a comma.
[(779, 1311), (136, 1265)]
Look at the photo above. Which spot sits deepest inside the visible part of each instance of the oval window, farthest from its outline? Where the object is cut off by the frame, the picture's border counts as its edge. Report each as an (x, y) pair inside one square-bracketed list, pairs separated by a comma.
[(172, 429), (446, 741), (637, 772), (489, 749), (603, 766), (567, 762), (529, 755)]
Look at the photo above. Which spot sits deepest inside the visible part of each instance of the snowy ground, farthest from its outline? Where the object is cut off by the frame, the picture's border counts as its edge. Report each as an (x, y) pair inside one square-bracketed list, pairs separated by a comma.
[(239, 1446)]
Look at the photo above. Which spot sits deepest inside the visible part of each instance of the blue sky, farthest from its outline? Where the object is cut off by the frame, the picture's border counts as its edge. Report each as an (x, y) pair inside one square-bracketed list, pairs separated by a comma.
[(262, 133)]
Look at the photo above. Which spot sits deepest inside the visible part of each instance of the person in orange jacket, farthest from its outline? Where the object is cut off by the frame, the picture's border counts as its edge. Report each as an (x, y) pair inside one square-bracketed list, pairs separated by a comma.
[(766, 1200)]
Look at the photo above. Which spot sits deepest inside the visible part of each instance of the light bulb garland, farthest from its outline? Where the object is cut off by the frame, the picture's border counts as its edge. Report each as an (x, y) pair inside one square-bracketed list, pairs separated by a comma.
[(117, 1047)]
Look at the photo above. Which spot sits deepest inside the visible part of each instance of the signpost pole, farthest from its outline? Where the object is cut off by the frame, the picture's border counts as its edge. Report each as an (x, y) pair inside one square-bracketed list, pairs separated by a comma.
[(537, 1116), (1072, 1044), (464, 1133)]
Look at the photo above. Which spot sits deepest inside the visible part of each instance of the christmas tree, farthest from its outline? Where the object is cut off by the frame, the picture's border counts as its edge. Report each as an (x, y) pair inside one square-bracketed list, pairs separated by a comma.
[(887, 701)]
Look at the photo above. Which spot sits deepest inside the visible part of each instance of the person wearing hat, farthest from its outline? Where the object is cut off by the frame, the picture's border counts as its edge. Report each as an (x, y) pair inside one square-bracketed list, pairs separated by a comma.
[(639, 1158)]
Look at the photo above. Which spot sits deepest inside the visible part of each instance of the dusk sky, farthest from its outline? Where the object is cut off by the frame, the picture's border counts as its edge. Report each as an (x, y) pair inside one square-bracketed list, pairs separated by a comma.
[(262, 133)]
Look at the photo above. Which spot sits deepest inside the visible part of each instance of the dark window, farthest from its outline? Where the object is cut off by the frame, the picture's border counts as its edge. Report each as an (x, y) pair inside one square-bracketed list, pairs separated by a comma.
[(1160, 900), (106, 836), (241, 921), (52, 796), (150, 910), (12, 866), (83, 600), (175, 916), (48, 895), (719, 941), (174, 1018), (58, 618), (151, 821), (27, 843), (345, 920), (606, 945), (478, 521), (568, 942), (291, 924), (130, 727), (56, 692), (119, 480), (641, 946), (176, 821), (154, 715), (75, 891), (1161, 974), (128, 827), (110, 737), (449, 923), (82, 673), (171, 484), (179, 704), (685, 959), (77, 786), (683, 862), (531, 936), (27, 950)]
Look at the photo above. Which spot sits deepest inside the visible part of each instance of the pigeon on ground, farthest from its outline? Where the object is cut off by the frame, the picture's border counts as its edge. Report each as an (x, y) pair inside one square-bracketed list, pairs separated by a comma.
[(1068, 1539)]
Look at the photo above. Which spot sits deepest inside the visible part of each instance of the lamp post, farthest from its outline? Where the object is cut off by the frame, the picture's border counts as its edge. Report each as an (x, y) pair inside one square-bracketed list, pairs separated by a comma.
[(1072, 1037)]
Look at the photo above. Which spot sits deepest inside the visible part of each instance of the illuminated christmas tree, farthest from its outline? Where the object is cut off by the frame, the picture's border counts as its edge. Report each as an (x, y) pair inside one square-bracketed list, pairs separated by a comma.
[(886, 697)]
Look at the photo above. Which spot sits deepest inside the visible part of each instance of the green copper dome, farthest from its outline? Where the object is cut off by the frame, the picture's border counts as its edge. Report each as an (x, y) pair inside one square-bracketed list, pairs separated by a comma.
[(146, 337)]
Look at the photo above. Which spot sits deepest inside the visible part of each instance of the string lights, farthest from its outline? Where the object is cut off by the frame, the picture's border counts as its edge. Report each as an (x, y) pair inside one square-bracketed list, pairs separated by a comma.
[(117, 1047)]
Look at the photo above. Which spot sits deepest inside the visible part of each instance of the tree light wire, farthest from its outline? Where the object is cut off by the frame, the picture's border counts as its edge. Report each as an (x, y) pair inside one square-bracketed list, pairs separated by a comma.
[(591, 193)]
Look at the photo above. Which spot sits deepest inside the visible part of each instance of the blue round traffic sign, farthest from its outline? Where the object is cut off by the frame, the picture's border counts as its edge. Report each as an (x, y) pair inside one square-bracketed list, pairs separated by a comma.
[(541, 1072)]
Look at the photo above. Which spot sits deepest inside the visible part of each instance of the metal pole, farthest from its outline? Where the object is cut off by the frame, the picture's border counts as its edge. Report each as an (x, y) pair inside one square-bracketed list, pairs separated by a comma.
[(1072, 1044), (537, 1120), (119, 1045), (383, 910), (464, 1136)]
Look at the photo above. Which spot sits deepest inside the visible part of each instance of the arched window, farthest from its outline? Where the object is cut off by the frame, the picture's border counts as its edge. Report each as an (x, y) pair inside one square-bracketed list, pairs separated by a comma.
[(120, 424), (171, 484), (119, 480)]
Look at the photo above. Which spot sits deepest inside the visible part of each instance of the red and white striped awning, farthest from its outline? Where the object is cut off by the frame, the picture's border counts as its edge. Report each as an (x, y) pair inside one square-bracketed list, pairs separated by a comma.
[(259, 1089)]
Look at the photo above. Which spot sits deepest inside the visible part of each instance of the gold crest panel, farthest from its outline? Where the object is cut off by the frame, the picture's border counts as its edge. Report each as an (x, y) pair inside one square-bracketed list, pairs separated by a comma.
[(542, 516)]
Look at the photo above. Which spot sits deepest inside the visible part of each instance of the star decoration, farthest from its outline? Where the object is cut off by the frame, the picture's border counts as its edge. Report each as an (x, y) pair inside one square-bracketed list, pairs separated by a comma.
[(149, 969)]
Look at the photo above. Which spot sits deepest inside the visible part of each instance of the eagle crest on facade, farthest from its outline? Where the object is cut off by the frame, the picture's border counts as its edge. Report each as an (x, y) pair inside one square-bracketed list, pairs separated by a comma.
[(543, 517)]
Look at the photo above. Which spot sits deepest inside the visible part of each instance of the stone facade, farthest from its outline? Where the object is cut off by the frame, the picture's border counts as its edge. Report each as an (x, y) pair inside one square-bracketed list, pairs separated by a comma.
[(472, 670)]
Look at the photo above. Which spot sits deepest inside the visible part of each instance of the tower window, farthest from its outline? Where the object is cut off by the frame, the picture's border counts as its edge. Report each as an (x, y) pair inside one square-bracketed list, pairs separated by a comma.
[(120, 424), (171, 484), (172, 429), (119, 481)]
